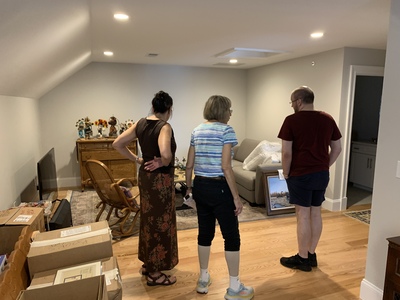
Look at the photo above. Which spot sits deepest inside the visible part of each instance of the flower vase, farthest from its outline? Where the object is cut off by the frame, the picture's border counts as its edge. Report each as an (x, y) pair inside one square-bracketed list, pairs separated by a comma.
[(100, 131)]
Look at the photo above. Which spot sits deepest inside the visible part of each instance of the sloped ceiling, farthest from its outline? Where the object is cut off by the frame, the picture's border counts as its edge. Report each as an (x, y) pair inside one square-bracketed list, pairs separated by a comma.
[(43, 42)]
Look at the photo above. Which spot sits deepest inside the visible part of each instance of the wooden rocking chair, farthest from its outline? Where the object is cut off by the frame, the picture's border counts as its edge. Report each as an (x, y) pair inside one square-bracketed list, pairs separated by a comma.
[(120, 199)]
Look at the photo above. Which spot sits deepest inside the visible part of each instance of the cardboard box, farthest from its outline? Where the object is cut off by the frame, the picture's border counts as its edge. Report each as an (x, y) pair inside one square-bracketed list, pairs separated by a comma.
[(89, 288), (70, 246), (13, 220), (109, 269)]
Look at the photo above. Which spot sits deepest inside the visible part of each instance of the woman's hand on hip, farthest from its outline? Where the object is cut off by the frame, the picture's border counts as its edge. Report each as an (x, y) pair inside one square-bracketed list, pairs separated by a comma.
[(151, 165)]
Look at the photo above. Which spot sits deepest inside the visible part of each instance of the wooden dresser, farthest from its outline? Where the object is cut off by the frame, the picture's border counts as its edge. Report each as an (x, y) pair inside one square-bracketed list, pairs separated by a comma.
[(392, 279), (102, 149)]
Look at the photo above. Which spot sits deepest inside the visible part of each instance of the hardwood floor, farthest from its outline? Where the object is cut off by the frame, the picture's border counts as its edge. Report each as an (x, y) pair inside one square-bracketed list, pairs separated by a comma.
[(341, 256)]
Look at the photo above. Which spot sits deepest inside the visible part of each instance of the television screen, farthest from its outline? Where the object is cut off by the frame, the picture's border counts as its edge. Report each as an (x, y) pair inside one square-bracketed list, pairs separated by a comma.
[(47, 177)]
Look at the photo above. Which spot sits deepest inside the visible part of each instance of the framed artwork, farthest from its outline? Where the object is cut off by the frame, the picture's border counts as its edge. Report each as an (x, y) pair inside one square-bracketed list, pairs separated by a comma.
[(276, 195)]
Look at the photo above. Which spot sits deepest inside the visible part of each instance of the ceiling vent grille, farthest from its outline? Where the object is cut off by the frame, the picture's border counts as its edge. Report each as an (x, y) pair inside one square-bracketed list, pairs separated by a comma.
[(247, 53)]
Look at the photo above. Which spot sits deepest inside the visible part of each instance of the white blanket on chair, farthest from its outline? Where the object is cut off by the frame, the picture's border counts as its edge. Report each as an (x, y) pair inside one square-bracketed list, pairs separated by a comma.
[(264, 152)]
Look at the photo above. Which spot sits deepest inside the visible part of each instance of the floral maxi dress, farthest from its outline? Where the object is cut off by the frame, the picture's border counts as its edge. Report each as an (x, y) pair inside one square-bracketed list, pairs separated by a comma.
[(158, 245)]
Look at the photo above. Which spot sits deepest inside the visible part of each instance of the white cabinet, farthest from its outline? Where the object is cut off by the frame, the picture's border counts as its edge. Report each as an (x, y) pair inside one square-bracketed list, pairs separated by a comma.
[(362, 164)]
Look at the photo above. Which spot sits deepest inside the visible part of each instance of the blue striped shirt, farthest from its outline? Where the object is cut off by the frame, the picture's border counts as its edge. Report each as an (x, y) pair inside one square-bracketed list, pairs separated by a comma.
[(208, 140)]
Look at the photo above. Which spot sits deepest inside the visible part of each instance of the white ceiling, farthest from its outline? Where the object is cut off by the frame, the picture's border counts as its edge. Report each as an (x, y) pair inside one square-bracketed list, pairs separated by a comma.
[(43, 42)]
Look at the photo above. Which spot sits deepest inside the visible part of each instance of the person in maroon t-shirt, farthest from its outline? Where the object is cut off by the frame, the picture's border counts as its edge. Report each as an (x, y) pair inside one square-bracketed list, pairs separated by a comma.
[(310, 145)]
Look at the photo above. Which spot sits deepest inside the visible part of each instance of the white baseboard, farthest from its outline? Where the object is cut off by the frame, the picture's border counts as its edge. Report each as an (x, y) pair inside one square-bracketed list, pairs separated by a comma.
[(68, 182), (333, 204), (368, 291)]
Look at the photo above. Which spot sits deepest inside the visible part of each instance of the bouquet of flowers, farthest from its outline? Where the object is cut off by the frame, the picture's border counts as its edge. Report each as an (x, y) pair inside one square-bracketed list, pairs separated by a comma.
[(101, 122)]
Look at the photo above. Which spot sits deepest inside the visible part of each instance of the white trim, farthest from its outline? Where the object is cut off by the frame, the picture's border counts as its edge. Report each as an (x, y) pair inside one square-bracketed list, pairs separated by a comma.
[(69, 182), (368, 291), (354, 72), (334, 204)]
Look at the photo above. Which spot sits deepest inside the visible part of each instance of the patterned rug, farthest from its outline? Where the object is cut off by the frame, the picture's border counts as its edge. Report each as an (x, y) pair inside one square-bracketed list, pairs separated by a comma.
[(83, 208), (360, 215)]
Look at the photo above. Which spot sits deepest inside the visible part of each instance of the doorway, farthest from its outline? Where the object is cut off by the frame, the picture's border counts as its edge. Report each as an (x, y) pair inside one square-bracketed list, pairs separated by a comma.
[(366, 91)]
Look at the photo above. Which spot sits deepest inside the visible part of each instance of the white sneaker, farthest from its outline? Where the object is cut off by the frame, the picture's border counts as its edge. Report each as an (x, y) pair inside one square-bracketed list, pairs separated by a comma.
[(202, 286), (244, 292)]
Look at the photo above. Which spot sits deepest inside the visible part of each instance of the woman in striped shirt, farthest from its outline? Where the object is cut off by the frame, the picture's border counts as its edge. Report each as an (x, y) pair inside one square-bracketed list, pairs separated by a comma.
[(215, 193)]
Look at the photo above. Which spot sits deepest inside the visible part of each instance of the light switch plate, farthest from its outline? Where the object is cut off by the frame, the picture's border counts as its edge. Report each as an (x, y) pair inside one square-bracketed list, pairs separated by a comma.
[(398, 169)]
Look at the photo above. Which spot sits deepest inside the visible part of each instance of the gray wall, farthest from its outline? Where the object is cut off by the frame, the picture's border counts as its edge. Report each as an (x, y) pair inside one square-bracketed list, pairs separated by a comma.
[(20, 148)]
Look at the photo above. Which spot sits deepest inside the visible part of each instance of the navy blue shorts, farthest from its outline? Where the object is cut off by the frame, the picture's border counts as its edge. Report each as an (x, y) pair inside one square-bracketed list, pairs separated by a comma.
[(308, 190)]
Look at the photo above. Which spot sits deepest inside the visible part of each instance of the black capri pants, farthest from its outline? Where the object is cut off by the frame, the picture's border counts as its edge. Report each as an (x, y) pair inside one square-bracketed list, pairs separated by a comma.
[(214, 202)]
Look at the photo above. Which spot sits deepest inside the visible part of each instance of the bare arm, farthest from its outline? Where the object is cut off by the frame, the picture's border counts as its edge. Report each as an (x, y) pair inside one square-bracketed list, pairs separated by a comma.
[(336, 148), (164, 143), (226, 165), (189, 169), (121, 144), (286, 157)]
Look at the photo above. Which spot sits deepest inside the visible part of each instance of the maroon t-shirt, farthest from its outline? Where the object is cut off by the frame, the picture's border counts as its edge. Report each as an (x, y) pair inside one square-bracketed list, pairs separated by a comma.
[(311, 133)]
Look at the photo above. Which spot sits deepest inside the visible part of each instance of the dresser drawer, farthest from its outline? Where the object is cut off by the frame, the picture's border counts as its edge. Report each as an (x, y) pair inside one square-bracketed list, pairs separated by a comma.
[(97, 146)]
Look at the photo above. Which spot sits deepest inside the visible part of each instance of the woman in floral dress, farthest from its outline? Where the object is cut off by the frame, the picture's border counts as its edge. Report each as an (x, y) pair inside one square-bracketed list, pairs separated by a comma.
[(158, 246)]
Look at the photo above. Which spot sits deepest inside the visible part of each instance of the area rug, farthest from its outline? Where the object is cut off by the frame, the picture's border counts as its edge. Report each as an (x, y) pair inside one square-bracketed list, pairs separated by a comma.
[(83, 208), (360, 215)]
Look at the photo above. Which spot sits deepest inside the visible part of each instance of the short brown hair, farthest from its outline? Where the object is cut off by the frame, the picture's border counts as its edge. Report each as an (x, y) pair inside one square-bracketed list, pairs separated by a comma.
[(216, 108)]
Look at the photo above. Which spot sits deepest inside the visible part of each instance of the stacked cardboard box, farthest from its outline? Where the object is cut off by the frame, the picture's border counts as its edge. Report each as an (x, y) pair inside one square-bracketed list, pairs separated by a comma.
[(109, 268), (88, 288), (63, 250), (13, 220), (16, 226)]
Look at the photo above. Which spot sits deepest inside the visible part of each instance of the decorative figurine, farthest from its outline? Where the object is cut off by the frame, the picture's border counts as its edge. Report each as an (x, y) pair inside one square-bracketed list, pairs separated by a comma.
[(88, 128), (122, 127), (129, 123), (81, 128), (113, 130)]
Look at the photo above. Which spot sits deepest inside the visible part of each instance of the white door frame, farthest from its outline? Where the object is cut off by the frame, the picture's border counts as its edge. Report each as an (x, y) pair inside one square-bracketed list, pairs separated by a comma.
[(354, 72)]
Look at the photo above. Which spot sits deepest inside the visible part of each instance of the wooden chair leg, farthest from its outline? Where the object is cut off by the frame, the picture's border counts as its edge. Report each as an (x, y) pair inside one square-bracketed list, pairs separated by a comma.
[(129, 231), (109, 213), (103, 207)]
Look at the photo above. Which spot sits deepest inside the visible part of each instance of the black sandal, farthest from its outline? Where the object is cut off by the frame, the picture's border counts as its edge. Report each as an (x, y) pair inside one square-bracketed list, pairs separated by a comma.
[(153, 282), (143, 271)]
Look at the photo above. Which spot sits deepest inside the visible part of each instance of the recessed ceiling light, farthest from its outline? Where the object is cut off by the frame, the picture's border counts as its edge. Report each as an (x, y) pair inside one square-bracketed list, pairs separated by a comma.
[(317, 35), (121, 17), (108, 53), (233, 61)]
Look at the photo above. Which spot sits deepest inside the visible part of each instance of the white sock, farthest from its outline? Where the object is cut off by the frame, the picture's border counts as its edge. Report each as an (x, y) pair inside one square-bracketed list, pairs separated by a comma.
[(204, 275), (234, 283)]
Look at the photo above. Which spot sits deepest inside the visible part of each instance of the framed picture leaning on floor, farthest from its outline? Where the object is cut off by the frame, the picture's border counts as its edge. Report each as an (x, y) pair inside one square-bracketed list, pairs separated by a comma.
[(276, 195)]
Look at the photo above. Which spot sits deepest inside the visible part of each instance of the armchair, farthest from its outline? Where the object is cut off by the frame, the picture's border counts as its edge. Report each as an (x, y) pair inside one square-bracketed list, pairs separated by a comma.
[(117, 198)]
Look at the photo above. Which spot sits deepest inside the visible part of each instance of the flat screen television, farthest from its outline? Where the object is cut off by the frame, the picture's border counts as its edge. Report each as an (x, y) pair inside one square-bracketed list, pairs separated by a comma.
[(47, 176)]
